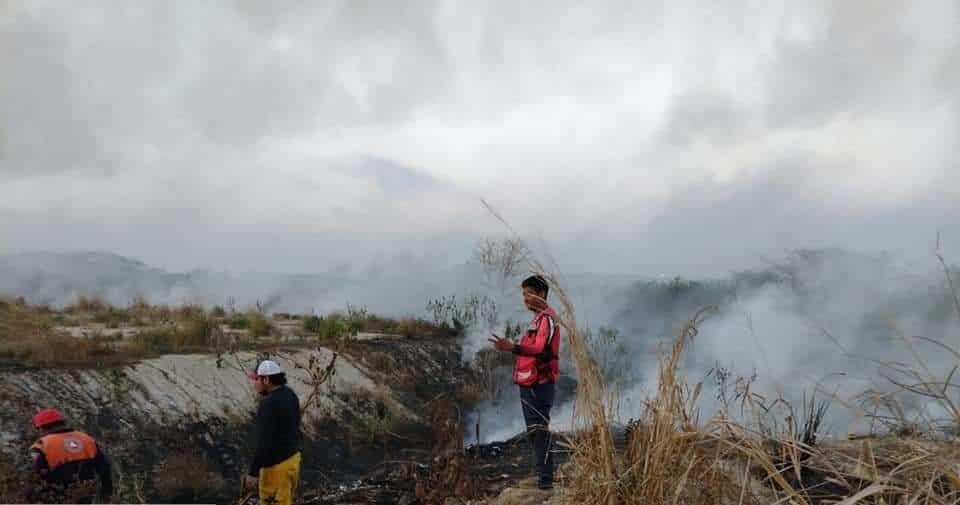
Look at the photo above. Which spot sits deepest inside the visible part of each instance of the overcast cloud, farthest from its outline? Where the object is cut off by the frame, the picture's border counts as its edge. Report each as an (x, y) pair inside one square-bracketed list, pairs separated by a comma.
[(642, 137)]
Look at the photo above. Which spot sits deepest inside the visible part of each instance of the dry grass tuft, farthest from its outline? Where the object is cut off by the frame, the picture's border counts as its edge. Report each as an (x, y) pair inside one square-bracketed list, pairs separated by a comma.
[(672, 458), (669, 458), (593, 455), (186, 475)]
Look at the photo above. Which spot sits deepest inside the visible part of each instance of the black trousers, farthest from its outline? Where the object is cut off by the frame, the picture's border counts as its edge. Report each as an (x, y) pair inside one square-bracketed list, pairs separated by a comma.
[(536, 402)]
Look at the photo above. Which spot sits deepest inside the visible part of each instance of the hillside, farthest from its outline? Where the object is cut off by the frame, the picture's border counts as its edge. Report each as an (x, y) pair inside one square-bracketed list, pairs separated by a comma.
[(365, 395)]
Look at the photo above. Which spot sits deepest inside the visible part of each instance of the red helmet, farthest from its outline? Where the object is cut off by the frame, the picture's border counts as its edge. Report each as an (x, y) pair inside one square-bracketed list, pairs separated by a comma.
[(47, 416)]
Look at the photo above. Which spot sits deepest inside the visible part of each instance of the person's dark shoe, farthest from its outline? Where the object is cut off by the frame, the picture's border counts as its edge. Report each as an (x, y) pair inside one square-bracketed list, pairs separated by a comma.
[(545, 486)]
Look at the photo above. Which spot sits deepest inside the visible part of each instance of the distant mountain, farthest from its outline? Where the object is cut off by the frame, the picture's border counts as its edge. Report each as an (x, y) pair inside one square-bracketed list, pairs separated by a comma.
[(59, 278), (398, 286)]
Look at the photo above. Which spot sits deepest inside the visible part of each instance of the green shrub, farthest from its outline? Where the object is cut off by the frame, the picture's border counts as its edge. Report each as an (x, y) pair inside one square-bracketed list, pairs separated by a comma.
[(90, 305), (459, 316), (357, 319), (152, 341), (332, 328), (259, 325), (112, 317), (189, 312), (198, 331), (311, 324)]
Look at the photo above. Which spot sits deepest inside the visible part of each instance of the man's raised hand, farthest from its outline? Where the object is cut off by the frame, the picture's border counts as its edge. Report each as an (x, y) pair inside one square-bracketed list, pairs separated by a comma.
[(501, 344)]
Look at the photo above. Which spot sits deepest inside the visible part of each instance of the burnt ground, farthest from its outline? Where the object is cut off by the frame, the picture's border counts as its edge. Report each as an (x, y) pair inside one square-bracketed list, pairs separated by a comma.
[(361, 453), (361, 443), (476, 472), (201, 459)]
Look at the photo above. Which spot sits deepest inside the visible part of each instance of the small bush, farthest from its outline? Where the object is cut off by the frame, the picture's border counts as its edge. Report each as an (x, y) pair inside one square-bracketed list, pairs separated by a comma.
[(56, 350), (112, 317), (140, 306), (154, 341), (197, 332), (357, 319), (382, 362), (311, 324), (373, 422), (259, 325), (255, 322), (332, 329), (190, 312), (88, 305), (449, 313), (239, 322)]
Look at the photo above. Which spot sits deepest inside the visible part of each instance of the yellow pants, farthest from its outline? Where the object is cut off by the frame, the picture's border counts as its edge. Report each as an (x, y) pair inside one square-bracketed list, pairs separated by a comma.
[(278, 483)]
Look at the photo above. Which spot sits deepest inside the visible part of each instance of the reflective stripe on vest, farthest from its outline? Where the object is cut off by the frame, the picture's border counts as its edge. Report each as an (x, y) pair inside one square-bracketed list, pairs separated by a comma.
[(547, 355), (68, 447)]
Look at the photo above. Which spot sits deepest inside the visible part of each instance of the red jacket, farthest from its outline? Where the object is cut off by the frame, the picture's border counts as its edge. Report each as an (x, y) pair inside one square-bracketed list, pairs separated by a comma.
[(538, 353)]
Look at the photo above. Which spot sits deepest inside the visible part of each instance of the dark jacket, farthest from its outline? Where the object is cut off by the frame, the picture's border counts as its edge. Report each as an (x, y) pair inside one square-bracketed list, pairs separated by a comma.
[(61, 480), (276, 429)]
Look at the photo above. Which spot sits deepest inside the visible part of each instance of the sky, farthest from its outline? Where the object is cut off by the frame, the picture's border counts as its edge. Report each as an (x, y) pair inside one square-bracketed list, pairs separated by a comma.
[(655, 138)]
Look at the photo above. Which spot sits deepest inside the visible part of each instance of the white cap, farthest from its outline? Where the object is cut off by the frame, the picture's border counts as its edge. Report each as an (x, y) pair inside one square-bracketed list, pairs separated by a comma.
[(268, 367)]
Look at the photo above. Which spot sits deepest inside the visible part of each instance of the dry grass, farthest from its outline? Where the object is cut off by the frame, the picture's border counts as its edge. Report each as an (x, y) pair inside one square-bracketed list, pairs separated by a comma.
[(26, 339), (668, 457), (186, 475), (337, 325), (672, 458), (596, 478), (407, 327), (29, 335), (55, 350)]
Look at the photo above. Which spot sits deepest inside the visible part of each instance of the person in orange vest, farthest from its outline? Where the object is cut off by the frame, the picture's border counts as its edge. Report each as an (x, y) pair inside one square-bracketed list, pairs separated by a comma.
[(68, 462), (536, 370)]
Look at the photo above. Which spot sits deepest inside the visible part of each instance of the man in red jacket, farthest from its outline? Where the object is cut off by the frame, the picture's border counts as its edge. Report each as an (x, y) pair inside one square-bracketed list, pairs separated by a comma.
[(536, 371)]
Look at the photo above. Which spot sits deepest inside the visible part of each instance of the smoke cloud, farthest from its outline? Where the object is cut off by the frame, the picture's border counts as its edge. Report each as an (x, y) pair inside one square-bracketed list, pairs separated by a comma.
[(665, 139), (323, 154)]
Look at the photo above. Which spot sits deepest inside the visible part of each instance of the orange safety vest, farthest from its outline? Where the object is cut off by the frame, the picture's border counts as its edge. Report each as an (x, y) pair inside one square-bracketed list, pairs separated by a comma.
[(67, 447)]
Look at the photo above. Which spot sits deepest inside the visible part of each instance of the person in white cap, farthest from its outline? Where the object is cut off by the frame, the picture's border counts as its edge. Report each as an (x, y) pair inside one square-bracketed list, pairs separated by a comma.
[(276, 462)]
